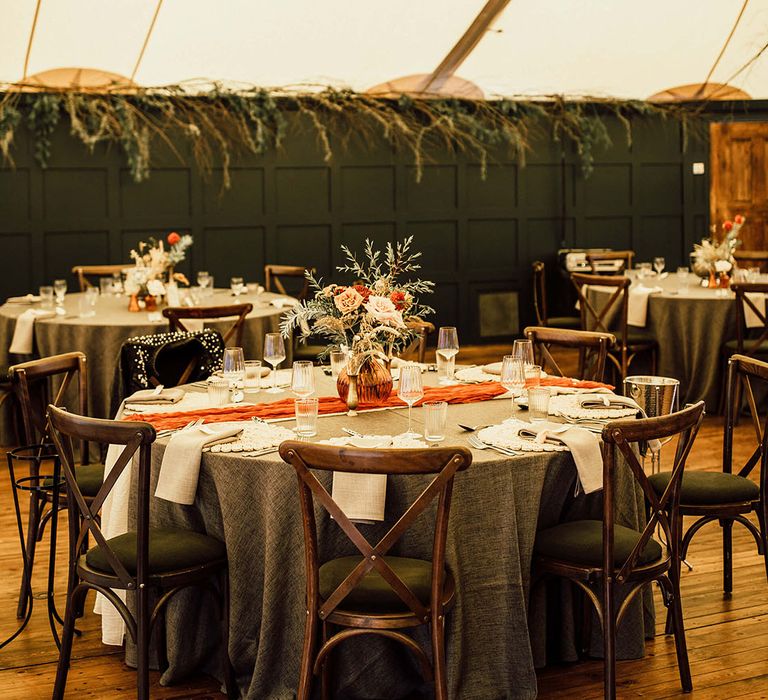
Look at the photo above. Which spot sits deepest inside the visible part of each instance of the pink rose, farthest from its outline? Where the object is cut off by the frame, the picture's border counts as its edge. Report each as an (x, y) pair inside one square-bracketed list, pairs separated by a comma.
[(383, 310), (349, 300)]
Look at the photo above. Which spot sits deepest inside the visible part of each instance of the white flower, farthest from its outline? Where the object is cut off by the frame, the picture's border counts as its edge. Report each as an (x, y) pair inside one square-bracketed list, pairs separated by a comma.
[(155, 287), (383, 310), (723, 266)]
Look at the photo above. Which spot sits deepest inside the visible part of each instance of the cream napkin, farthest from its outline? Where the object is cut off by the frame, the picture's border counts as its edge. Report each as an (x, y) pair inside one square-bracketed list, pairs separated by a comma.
[(751, 319), (180, 467), (583, 445), (152, 396), (26, 299), (22, 342), (281, 302), (637, 313), (608, 400)]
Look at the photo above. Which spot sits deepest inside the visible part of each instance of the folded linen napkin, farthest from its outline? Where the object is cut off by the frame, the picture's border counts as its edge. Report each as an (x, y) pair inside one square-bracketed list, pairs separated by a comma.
[(637, 311), (495, 369), (282, 302), (180, 468), (583, 445), (751, 319), (607, 400), (362, 497), (26, 299), (152, 396), (23, 334)]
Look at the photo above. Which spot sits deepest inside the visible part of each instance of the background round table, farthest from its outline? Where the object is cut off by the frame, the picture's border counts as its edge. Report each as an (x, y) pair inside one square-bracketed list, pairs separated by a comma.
[(101, 336)]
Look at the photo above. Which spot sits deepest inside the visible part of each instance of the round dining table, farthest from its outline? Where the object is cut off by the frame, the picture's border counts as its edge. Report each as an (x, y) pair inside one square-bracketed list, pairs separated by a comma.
[(501, 626), (101, 336), (689, 323)]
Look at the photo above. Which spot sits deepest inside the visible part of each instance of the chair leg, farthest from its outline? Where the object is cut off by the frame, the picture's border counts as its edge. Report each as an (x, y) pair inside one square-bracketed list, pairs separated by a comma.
[(609, 641), (727, 526), (67, 635), (308, 656), (762, 517), (438, 656), (676, 612), (142, 643), (33, 524), (325, 678)]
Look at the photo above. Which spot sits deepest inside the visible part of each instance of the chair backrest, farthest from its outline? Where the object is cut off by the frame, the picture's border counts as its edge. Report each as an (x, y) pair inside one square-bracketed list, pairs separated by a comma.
[(751, 258), (176, 314), (613, 312), (83, 514), (620, 437), (422, 329), (593, 348), (276, 275), (540, 293), (757, 306), (85, 272), (624, 257), (443, 462), (746, 378), (38, 383)]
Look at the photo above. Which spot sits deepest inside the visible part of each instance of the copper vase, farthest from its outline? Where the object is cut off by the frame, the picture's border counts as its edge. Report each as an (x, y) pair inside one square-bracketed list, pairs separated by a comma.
[(150, 302), (133, 303), (372, 386)]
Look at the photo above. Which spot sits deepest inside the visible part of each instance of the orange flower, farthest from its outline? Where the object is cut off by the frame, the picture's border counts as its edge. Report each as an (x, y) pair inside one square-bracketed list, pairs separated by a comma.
[(727, 226), (173, 238), (739, 219)]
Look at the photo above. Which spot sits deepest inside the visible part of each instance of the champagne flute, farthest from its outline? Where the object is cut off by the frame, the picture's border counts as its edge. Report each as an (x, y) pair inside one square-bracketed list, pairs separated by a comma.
[(410, 390), (523, 350), (234, 366), (658, 265), (274, 353), (60, 290), (513, 376), (303, 378), (237, 285), (447, 349)]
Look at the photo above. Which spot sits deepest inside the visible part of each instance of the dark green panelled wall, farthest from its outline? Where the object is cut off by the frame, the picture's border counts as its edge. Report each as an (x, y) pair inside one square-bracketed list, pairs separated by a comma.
[(479, 236)]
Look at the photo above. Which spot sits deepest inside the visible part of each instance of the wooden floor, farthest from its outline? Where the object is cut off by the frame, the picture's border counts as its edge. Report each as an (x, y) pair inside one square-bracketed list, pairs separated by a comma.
[(727, 638)]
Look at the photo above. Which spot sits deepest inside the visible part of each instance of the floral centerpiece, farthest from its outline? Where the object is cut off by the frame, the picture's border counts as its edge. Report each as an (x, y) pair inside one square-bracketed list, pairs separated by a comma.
[(155, 263), (712, 259), (369, 316)]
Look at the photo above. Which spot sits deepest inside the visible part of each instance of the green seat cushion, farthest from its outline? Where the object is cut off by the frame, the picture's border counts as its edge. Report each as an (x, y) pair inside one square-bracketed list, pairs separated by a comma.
[(89, 478), (170, 549), (581, 542), (373, 593), (571, 322), (749, 346), (708, 488)]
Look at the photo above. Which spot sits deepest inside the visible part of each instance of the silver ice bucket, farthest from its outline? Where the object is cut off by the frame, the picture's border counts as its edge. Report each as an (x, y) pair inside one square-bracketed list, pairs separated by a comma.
[(657, 396)]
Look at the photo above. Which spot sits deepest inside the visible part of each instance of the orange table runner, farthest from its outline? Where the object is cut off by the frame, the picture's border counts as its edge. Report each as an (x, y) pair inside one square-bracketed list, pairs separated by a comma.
[(468, 393)]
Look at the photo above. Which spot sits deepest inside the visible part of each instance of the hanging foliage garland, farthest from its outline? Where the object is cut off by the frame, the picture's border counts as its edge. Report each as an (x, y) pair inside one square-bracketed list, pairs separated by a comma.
[(220, 124)]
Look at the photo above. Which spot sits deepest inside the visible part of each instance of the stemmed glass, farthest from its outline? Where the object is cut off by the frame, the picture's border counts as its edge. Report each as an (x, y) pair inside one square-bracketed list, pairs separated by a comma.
[(234, 366), (513, 376), (523, 350), (237, 286), (274, 353), (658, 265), (60, 290), (410, 390), (447, 349), (205, 282), (303, 378)]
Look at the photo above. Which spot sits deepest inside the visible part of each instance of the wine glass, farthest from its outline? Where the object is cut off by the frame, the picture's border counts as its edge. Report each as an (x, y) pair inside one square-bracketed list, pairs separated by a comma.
[(234, 366), (447, 349), (203, 278), (274, 353), (513, 376), (410, 390), (60, 290), (237, 286), (303, 378), (523, 350), (658, 265)]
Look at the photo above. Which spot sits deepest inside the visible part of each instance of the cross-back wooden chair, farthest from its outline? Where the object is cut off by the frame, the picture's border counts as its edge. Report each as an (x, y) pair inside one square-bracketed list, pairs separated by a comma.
[(610, 562), (375, 592), (177, 314), (612, 317), (540, 302), (593, 349), (164, 559), (752, 258), (86, 273), (423, 330), (756, 342), (625, 257), (275, 276), (726, 497), (36, 384)]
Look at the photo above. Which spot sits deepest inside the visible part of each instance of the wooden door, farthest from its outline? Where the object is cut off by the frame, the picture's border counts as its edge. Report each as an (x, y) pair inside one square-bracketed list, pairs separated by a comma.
[(739, 179)]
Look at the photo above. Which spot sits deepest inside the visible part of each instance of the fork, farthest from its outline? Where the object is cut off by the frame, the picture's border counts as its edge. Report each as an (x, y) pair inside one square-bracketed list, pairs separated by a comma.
[(477, 443), (170, 431)]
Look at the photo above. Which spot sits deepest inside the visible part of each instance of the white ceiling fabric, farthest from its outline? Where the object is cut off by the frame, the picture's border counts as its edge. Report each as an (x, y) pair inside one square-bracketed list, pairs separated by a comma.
[(599, 47)]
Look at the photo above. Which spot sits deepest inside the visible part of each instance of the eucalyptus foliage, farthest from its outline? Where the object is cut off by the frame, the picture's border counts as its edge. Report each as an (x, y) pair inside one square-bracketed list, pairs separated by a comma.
[(218, 125)]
